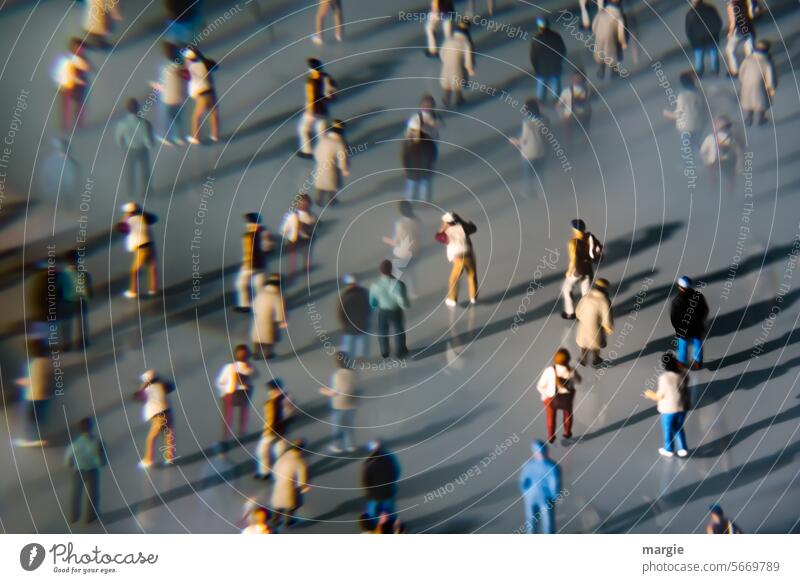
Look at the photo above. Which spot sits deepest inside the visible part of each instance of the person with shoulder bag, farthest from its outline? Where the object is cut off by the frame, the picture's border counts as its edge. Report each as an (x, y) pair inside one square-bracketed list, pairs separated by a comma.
[(557, 389)]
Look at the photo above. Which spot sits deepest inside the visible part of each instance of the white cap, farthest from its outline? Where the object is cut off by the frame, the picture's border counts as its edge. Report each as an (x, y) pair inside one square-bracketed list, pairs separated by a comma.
[(448, 218), (130, 207), (148, 376)]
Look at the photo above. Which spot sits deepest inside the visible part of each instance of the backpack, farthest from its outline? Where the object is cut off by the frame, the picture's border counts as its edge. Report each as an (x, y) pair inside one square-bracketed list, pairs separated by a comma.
[(595, 248)]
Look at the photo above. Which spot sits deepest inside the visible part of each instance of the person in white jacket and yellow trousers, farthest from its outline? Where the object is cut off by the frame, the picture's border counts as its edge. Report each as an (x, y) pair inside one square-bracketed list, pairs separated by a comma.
[(136, 226), (455, 233)]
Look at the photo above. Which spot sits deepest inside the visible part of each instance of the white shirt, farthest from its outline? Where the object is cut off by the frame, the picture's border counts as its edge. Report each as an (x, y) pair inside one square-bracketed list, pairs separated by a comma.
[(199, 78), (243, 373), (291, 230), (173, 85), (257, 529), (547, 382), (426, 121), (406, 234), (138, 232), (457, 243), (669, 392), (156, 400)]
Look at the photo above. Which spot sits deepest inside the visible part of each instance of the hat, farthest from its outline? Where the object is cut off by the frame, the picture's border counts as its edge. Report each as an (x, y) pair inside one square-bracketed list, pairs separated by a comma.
[(130, 207), (313, 63), (348, 279), (716, 509), (373, 445), (578, 225), (189, 53), (252, 217), (601, 283), (541, 22), (276, 383), (448, 218), (148, 376), (685, 282)]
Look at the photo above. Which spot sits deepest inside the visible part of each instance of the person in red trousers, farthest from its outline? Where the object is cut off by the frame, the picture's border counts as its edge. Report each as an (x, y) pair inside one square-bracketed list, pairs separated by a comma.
[(557, 388)]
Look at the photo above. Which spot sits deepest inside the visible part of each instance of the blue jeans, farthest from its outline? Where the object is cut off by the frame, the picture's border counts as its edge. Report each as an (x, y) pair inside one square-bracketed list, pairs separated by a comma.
[(539, 511), (354, 345), (699, 60), (173, 126), (377, 507), (672, 427), (697, 351), (342, 427), (543, 84), (418, 189)]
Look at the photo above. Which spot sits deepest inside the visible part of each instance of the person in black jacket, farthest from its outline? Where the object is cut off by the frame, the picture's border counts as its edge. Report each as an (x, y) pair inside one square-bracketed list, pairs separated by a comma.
[(688, 316), (548, 52), (418, 158), (354, 315), (703, 27), (379, 476)]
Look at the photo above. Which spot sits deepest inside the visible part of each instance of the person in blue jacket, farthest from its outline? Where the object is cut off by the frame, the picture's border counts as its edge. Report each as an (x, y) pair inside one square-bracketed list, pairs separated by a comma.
[(540, 483)]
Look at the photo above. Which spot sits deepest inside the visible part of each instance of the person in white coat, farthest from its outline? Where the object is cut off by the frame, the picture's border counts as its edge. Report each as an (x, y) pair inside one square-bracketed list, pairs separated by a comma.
[(688, 112), (330, 155), (758, 81), (458, 65), (455, 232), (153, 392), (611, 38)]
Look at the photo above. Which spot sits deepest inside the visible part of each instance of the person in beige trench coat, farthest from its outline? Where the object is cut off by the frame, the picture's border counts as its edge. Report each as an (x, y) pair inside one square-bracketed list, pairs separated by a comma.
[(595, 322), (97, 18), (291, 474), (269, 315), (458, 64), (758, 81), (331, 159), (610, 38)]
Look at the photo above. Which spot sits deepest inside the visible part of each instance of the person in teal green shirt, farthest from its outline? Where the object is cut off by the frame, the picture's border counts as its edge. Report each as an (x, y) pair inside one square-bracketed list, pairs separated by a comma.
[(388, 295)]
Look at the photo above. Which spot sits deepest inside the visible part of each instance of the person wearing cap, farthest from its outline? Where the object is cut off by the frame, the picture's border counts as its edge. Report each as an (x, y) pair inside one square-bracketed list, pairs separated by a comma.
[(75, 294), (278, 408), (595, 322), (85, 455), (741, 32), (235, 386), (688, 315), (380, 473), (136, 226), (458, 64), (404, 245), (532, 145), (332, 164), (325, 7), (718, 523), (290, 473), (135, 134), (574, 108), (153, 393), (320, 90), (703, 28), (388, 295), (455, 233), (556, 388), (758, 80), (342, 394), (354, 313), (202, 91), (256, 243), (296, 229), (611, 38), (548, 53), (673, 400), (259, 522), (582, 252), (269, 318), (440, 14), (540, 486)]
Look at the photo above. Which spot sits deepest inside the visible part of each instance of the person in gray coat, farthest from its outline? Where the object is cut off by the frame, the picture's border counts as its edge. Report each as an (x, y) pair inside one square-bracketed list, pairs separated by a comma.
[(330, 155), (611, 38), (458, 64), (758, 81)]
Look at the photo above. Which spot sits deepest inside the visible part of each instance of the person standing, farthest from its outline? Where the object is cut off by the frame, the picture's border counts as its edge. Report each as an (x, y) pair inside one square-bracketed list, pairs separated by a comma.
[(269, 318), (256, 243), (595, 322), (202, 91), (171, 88), (39, 387), (741, 32), (404, 244), (76, 292), (153, 392), (688, 315), (672, 398), (611, 38), (291, 482), (540, 486), (235, 385), (418, 156), (135, 134), (574, 109), (320, 91), (354, 313), (98, 17), (458, 64), (136, 226), (277, 410), (379, 476), (758, 81), (548, 53), (85, 456), (455, 232), (720, 151), (389, 296), (259, 522), (703, 29), (586, 22), (425, 121), (296, 229), (556, 387), (718, 523), (72, 76), (583, 249), (330, 154), (688, 113), (440, 14), (325, 7), (532, 145), (342, 394)]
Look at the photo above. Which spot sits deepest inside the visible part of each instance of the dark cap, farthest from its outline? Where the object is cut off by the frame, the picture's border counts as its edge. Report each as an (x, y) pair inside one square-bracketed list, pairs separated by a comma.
[(578, 225)]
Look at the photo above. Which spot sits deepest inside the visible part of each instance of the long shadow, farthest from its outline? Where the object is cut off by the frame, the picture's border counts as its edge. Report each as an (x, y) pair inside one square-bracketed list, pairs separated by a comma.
[(442, 521), (632, 419), (718, 389), (791, 337)]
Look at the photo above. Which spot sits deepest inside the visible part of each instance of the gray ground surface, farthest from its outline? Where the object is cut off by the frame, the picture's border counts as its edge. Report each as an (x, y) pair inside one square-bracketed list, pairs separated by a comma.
[(471, 383)]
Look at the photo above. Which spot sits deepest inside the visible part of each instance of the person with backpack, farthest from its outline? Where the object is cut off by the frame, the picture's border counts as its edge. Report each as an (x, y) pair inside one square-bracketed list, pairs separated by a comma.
[(718, 523), (583, 251), (235, 386), (540, 486), (548, 53), (256, 243), (703, 28), (425, 122), (688, 315), (135, 135), (136, 226), (595, 322), (72, 77), (455, 233), (85, 455), (156, 411), (277, 410), (673, 399), (76, 292), (296, 229), (202, 91), (556, 388), (320, 91), (418, 156)]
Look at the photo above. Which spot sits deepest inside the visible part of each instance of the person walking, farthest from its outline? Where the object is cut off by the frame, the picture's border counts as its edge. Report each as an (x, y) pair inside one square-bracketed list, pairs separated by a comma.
[(532, 146), (320, 91), (672, 398), (72, 77), (548, 53), (136, 226), (291, 482), (332, 163), (741, 32), (256, 244), (595, 322), (296, 229), (425, 122), (404, 245), (342, 394), (380, 473), (39, 386), (440, 15), (718, 523), (418, 156), (157, 413), (455, 232), (388, 295), (85, 455), (277, 410), (354, 314), (203, 92), (703, 29), (259, 522), (76, 293), (235, 386), (583, 250), (556, 387), (688, 112), (269, 318), (540, 486), (171, 88), (458, 64), (98, 20), (586, 22), (758, 80), (574, 109), (326, 7), (688, 314), (611, 38), (135, 134)]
